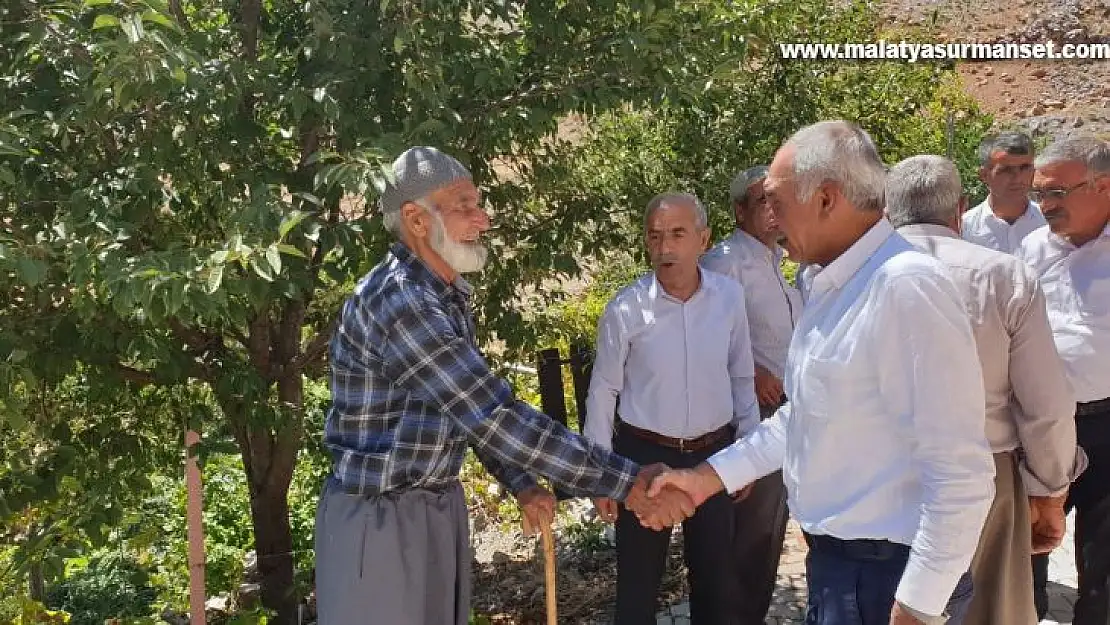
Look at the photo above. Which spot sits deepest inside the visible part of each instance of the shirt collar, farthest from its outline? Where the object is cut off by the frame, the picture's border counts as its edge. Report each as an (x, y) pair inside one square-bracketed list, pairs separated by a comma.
[(838, 272), (988, 211), (419, 271), (743, 238), (656, 290), (1063, 243), (927, 230)]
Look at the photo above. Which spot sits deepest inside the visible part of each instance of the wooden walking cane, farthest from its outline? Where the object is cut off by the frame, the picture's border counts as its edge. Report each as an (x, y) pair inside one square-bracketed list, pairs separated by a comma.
[(548, 569)]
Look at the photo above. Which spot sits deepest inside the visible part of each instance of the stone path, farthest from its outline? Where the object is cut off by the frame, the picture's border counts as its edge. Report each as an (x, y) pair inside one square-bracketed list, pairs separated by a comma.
[(788, 606)]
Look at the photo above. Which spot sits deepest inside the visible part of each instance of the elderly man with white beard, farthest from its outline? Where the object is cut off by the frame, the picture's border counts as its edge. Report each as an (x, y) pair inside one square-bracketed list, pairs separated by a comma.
[(410, 393)]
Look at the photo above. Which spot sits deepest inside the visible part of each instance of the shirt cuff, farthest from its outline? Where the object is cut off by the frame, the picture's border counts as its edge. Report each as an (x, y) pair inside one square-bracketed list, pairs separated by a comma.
[(924, 589), (734, 467), (1035, 487), (618, 477), (522, 481)]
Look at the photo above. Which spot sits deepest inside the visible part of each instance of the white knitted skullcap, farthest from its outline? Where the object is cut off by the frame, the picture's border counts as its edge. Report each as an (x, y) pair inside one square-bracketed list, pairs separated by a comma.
[(417, 172)]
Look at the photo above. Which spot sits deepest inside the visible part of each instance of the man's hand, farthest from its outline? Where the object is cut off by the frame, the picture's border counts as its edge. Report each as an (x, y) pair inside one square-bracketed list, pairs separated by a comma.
[(699, 483), (1048, 522), (665, 508), (606, 509), (899, 616), (768, 388), (538, 506)]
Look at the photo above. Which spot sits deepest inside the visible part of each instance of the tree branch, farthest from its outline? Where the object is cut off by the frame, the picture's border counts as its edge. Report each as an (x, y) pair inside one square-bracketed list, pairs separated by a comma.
[(316, 348), (179, 14), (137, 376)]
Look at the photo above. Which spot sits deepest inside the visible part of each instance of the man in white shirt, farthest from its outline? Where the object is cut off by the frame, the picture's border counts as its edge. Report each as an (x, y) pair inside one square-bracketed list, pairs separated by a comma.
[(1029, 403), (674, 346), (1071, 257), (1007, 216), (753, 257), (882, 443)]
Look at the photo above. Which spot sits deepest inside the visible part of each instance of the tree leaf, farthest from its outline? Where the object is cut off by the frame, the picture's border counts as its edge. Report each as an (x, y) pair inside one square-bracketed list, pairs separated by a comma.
[(273, 256), (291, 220), (105, 21), (262, 270), (159, 18), (285, 248), (133, 27), (215, 277), (30, 270), (174, 297)]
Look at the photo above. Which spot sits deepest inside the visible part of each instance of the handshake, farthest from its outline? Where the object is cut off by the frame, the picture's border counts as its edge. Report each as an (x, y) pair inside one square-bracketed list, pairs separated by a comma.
[(663, 497)]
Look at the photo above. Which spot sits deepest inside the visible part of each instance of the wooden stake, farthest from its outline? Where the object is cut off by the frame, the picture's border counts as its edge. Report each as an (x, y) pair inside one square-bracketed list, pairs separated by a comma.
[(549, 575), (194, 521), (549, 584)]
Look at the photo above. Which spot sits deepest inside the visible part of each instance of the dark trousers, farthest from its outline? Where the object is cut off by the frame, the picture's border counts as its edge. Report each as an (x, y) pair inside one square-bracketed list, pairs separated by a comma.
[(707, 541), (760, 532), (853, 582), (1090, 498)]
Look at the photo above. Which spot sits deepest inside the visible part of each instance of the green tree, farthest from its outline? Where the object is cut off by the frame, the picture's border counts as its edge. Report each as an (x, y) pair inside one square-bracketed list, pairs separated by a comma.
[(183, 184)]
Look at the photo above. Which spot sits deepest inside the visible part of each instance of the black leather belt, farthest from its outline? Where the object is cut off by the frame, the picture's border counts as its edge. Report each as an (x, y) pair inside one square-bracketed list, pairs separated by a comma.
[(684, 445), (1088, 408), (861, 549)]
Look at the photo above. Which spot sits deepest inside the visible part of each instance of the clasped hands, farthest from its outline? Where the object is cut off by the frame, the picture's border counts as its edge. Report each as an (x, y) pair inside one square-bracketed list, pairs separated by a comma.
[(663, 497), (1047, 517)]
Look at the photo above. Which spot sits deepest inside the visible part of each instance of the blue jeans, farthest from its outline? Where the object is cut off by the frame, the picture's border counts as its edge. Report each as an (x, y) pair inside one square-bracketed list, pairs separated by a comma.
[(853, 582)]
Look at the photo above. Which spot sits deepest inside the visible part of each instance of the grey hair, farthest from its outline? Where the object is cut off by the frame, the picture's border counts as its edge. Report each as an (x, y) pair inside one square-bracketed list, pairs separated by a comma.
[(701, 217), (1093, 153), (923, 189), (843, 153), (1011, 142), (392, 219)]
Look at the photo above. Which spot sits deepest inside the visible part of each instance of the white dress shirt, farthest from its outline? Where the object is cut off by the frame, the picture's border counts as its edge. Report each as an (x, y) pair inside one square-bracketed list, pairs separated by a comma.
[(883, 437), (681, 369), (982, 226), (1076, 284), (773, 304), (1029, 401)]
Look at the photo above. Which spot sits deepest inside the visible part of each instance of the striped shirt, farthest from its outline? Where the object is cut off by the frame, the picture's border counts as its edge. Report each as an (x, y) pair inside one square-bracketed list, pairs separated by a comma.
[(410, 391)]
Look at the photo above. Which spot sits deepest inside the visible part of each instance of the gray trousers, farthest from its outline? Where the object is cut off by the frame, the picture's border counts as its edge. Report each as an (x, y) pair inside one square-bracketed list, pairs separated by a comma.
[(396, 559)]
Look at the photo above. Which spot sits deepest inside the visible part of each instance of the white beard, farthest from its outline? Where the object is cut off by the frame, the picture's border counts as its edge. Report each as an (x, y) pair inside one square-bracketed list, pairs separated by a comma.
[(462, 257)]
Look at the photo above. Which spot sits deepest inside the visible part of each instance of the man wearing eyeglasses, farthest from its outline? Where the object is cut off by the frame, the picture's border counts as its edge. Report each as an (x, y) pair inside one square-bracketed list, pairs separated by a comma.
[(1007, 216), (1071, 257)]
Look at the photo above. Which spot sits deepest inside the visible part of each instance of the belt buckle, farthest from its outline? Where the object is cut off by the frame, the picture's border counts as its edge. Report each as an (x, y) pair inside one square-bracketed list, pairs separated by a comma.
[(682, 445)]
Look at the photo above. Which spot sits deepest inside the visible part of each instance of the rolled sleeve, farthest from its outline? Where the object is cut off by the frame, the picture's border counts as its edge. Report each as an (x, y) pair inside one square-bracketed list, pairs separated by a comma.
[(1051, 459)]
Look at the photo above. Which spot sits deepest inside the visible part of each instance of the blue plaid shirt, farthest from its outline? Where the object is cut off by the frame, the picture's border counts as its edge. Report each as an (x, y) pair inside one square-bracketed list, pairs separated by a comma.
[(410, 391)]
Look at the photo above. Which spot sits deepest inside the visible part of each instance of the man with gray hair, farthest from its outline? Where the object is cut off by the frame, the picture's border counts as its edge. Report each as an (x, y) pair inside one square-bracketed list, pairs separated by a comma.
[(675, 348), (410, 393), (753, 257), (881, 443), (1071, 257), (1029, 403), (1007, 216)]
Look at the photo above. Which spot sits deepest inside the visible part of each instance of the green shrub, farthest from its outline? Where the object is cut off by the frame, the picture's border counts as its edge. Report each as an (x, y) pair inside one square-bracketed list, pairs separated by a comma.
[(113, 585)]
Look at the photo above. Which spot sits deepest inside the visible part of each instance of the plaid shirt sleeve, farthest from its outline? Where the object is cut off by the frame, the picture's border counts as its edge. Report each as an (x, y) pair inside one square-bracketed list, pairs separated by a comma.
[(426, 354), (511, 477)]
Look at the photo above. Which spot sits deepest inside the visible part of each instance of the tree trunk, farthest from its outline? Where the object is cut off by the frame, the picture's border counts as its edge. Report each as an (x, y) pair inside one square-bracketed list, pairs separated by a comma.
[(36, 583), (273, 543), (269, 457)]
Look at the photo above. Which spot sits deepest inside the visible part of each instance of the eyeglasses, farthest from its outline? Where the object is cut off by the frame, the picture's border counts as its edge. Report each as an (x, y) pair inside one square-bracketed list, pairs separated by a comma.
[(1039, 195)]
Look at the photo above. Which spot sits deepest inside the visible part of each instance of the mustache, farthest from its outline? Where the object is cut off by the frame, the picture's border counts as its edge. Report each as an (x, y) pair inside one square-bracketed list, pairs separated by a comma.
[(660, 259)]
